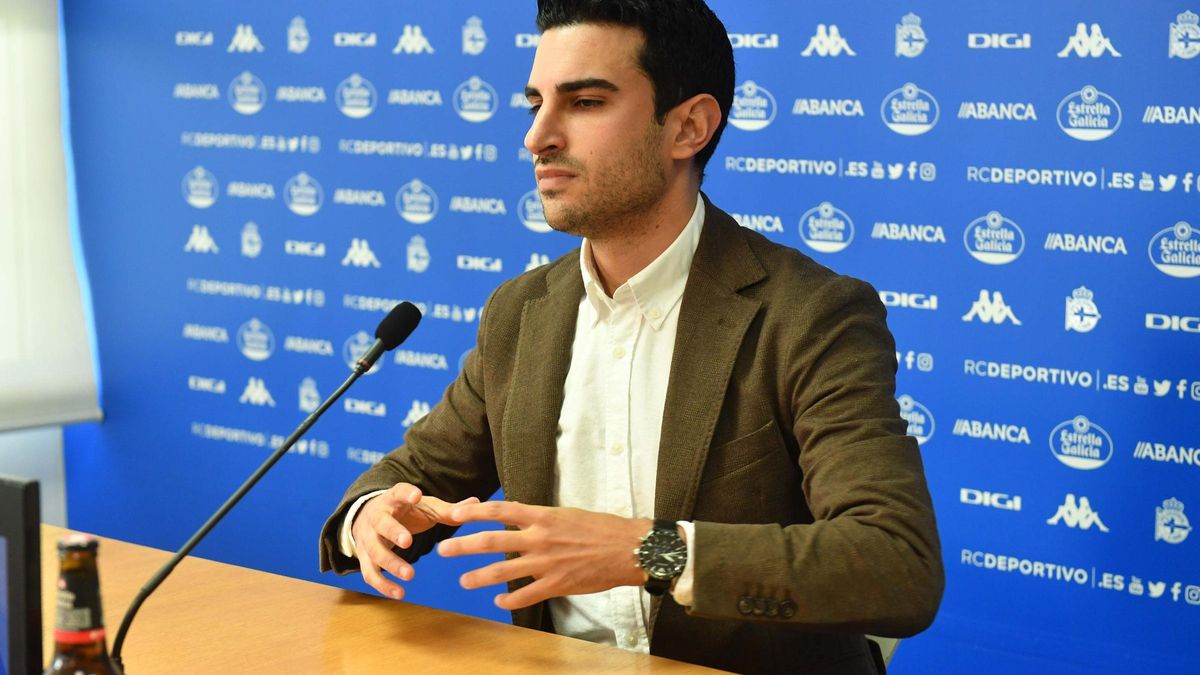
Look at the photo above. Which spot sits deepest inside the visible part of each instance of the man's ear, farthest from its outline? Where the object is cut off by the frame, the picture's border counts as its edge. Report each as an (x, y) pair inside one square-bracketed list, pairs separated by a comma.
[(695, 122)]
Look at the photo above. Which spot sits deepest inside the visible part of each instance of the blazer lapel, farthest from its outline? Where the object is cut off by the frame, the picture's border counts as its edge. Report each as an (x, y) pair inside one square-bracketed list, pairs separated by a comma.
[(535, 395)]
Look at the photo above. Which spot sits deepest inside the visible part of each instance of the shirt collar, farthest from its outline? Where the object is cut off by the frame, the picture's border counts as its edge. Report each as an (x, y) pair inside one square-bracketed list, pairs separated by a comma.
[(659, 285)]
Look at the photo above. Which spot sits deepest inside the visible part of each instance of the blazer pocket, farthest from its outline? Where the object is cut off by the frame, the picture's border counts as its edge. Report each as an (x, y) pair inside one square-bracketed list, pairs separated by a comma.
[(743, 452)]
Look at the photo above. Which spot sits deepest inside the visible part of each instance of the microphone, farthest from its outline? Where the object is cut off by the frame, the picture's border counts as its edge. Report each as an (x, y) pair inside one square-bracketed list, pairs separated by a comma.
[(393, 330)]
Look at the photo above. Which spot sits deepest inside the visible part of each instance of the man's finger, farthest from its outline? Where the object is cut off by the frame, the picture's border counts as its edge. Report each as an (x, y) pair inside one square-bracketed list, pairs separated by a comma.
[(401, 496), (376, 580), (384, 525), (525, 596), (381, 554), (509, 513), (440, 511), (499, 572), (491, 541)]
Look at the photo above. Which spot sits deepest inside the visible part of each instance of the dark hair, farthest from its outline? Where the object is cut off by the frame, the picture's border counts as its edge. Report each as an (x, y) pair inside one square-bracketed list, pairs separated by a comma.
[(686, 51)]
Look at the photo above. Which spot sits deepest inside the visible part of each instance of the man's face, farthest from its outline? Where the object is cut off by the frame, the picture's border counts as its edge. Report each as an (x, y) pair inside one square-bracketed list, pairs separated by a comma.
[(600, 153)]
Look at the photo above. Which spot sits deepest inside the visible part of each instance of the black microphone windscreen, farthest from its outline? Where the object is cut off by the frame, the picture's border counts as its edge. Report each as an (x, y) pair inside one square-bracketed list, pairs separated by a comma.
[(398, 325)]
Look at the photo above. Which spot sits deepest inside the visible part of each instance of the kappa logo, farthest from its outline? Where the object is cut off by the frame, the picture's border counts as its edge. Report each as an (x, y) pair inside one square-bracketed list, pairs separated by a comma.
[(1088, 43), (416, 202), (255, 340), (297, 36), (533, 213), (1082, 315), (910, 37), (247, 94), (474, 39), (1078, 515), (310, 398), (1170, 524), (476, 100), (995, 500), (360, 254), (999, 41), (920, 420), (991, 309), (355, 347), (994, 239), (1175, 251), (910, 110), (418, 255), (256, 393), (412, 41), (303, 194), (418, 410), (826, 228), (200, 241), (1184, 40), (536, 260), (356, 97), (1081, 444), (754, 40), (1089, 115), (251, 240), (200, 188), (753, 107), (827, 41), (244, 40)]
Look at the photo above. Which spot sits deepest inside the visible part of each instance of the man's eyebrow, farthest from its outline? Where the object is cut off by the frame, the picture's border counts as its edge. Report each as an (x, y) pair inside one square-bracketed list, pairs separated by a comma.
[(576, 85)]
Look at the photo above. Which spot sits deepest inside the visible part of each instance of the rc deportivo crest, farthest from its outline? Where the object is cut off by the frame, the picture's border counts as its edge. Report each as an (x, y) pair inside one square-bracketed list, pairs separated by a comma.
[(251, 241), (1089, 115), (753, 107), (418, 254), (1185, 37), (994, 239), (910, 110), (1170, 524), (910, 37), (1082, 314), (826, 228), (297, 36)]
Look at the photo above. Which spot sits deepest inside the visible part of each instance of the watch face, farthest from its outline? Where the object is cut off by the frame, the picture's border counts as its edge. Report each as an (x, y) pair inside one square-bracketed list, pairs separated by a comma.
[(663, 555)]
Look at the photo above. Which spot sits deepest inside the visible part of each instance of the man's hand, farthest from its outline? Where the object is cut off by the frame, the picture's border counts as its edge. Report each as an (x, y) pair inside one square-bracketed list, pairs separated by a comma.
[(566, 551), (391, 519)]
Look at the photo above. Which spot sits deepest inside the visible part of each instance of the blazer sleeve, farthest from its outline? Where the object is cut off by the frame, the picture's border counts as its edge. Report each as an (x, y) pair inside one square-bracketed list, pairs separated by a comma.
[(448, 454), (871, 560)]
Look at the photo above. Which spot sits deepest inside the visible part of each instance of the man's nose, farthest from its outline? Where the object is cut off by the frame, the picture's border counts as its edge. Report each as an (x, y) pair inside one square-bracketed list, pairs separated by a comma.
[(545, 136)]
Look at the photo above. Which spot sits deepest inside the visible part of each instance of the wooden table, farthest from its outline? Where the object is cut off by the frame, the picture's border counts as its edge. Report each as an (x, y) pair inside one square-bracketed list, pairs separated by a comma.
[(210, 617)]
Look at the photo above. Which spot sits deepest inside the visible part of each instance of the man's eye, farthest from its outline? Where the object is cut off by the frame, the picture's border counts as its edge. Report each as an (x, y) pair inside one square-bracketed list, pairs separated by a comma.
[(533, 108), (589, 103)]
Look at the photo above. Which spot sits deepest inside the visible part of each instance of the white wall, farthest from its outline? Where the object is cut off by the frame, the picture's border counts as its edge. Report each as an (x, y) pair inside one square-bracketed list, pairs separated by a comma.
[(38, 453)]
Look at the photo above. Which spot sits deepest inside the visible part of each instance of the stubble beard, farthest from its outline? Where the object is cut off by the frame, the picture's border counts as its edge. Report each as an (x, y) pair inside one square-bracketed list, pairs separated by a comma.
[(612, 210)]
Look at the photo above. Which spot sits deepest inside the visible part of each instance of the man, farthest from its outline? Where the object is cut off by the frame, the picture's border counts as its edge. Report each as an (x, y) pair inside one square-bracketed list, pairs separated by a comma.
[(677, 368)]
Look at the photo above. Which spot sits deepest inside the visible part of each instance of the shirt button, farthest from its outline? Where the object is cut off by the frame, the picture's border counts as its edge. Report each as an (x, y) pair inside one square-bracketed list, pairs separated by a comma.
[(630, 641), (654, 314), (617, 448), (619, 353)]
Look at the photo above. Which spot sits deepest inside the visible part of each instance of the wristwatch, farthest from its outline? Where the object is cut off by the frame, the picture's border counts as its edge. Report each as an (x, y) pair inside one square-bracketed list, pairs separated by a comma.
[(662, 555)]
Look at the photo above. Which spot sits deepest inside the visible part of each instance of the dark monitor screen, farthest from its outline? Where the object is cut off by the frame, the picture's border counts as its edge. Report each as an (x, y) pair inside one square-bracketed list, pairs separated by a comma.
[(20, 571)]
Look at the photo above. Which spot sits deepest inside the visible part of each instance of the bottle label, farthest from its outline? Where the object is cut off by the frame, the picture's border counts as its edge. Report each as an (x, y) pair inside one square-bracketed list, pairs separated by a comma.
[(78, 637), (78, 603)]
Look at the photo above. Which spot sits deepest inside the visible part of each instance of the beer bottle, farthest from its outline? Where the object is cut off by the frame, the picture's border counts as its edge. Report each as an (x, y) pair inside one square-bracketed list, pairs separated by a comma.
[(79, 640)]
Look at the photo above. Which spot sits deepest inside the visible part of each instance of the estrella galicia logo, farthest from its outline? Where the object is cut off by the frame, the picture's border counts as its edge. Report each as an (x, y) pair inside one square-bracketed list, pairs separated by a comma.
[(200, 188), (475, 100), (826, 228), (1089, 115), (255, 340), (920, 420), (994, 239), (753, 107), (416, 202), (303, 194), (533, 213), (1081, 444), (356, 97), (910, 110), (355, 347), (247, 94), (1175, 251)]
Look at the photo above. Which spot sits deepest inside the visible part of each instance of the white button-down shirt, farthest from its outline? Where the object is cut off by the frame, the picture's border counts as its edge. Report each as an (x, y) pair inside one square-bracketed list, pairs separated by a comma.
[(611, 422), (610, 425)]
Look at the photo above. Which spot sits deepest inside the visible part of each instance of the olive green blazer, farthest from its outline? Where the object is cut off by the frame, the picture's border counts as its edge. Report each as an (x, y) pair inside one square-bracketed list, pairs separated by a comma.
[(781, 440)]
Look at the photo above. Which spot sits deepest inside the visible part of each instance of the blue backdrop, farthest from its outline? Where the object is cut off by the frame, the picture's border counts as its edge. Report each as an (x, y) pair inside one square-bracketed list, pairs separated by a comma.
[(258, 184)]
